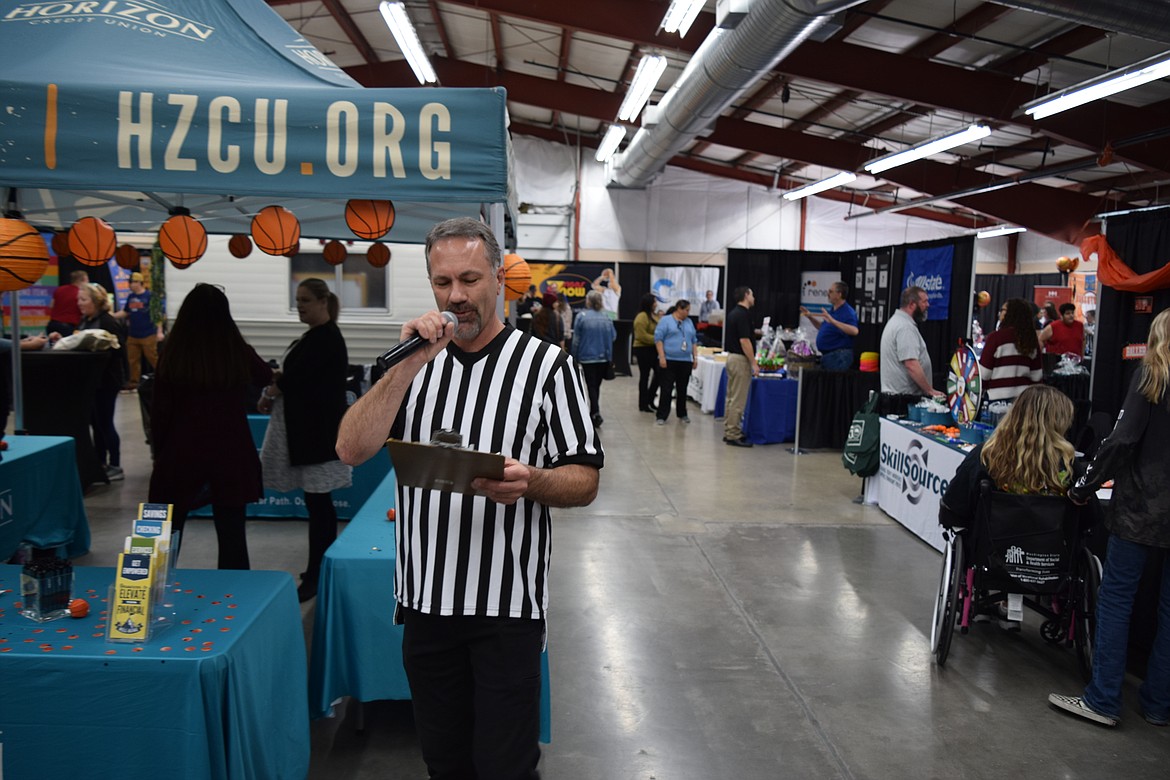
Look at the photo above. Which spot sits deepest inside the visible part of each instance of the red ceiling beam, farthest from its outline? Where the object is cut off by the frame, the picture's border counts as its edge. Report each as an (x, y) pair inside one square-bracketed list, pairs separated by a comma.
[(437, 15), (346, 23)]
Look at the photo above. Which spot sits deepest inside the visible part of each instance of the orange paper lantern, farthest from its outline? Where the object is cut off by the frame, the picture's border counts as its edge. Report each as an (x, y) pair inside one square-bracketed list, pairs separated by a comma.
[(183, 240), (293, 250), (517, 277), (127, 256), (1066, 265), (60, 244), (983, 298), (240, 245), (92, 241), (369, 219), (276, 230), (23, 255), (378, 255), (334, 253)]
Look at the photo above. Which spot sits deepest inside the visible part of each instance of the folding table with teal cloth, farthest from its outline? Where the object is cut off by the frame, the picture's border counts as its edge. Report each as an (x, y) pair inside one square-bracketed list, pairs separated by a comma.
[(40, 496), (357, 649), (770, 416), (220, 693)]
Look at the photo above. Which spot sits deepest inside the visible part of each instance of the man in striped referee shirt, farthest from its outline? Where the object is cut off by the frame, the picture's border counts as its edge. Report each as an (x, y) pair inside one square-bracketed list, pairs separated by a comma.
[(471, 570)]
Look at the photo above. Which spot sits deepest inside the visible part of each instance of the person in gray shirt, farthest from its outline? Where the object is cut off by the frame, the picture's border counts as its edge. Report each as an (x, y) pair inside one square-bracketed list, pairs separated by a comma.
[(905, 362)]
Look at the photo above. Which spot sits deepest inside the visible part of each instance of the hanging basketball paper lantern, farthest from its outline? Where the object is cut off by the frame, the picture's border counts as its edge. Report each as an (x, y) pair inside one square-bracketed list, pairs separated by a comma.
[(275, 230), (369, 219), (127, 256), (92, 241), (240, 245), (183, 240), (293, 250), (60, 244), (23, 255), (1066, 265), (983, 298), (334, 253), (517, 277), (378, 255)]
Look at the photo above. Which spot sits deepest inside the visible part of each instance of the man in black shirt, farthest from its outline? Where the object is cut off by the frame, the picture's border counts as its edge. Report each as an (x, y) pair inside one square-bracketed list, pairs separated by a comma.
[(741, 364)]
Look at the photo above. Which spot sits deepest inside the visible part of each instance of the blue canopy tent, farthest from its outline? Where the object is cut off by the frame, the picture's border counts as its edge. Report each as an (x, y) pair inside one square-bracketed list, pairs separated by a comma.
[(127, 109)]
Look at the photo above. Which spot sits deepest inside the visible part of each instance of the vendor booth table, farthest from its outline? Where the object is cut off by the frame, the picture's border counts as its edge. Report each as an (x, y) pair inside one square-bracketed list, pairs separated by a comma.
[(708, 385), (357, 649), (770, 415), (828, 401), (218, 694), (40, 496)]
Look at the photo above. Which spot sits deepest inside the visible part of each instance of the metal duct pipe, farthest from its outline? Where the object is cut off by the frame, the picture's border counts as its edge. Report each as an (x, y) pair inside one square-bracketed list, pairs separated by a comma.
[(720, 74), (1149, 19)]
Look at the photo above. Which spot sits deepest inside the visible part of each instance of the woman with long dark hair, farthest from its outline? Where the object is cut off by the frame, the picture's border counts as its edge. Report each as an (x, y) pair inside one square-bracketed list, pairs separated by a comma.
[(645, 353), (1011, 359), (199, 423), (307, 401), (1136, 456)]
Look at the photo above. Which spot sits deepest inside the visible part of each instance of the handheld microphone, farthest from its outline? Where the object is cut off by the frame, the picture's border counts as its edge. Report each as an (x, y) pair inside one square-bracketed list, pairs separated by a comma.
[(399, 352)]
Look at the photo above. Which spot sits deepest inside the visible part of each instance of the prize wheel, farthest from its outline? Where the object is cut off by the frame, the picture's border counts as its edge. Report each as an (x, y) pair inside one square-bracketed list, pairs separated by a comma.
[(964, 387)]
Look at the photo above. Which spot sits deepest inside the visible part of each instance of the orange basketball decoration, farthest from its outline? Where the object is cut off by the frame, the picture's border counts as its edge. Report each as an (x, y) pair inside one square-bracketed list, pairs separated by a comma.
[(378, 255), (23, 255), (240, 245), (983, 298), (276, 230), (127, 256), (293, 250), (334, 253), (369, 219), (60, 244), (517, 277), (92, 241), (183, 240), (1066, 265), (78, 608)]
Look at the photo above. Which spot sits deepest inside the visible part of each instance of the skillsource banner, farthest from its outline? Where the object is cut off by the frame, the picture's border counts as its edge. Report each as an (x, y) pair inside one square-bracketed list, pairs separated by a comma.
[(930, 269), (673, 283), (912, 477)]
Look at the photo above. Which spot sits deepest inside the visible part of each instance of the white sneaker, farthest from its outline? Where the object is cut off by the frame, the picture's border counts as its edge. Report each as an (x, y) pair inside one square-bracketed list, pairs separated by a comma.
[(1076, 705), (659, 421), (114, 474)]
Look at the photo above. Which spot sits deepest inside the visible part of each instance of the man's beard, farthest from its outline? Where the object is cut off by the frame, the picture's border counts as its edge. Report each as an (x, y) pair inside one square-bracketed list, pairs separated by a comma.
[(920, 316), (470, 330)]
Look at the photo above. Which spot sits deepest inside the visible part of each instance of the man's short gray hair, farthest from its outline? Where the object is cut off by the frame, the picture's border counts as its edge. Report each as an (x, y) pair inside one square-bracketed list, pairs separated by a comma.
[(593, 300), (465, 227)]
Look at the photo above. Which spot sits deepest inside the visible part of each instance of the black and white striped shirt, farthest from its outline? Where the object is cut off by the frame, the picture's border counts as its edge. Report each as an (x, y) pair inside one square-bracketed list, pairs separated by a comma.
[(460, 554)]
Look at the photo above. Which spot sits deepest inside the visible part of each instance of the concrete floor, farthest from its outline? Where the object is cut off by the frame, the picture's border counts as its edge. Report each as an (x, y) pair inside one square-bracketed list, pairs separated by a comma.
[(730, 613)]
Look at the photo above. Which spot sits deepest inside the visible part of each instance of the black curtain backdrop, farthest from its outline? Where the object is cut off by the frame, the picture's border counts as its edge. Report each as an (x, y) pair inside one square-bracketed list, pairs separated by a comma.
[(1142, 241), (1002, 287)]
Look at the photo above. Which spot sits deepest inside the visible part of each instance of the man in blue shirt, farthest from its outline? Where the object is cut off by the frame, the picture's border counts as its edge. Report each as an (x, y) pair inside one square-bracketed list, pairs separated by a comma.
[(837, 329), (143, 338)]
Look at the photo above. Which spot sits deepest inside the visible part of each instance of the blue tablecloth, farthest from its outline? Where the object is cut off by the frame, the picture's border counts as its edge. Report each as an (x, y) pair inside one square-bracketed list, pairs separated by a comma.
[(218, 694), (357, 649), (40, 496), (770, 416), (292, 504)]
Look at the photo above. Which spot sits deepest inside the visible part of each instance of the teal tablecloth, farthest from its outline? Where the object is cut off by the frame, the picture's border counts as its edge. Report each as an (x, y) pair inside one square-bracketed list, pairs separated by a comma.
[(40, 496), (220, 693), (357, 649)]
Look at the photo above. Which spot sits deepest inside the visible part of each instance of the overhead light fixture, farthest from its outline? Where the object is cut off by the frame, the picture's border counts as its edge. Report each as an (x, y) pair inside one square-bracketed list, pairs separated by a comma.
[(928, 148), (681, 15), (1111, 83), (1002, 230), (407, 39), (1108, 214), (844, 177), (609, 143), (645, 80)]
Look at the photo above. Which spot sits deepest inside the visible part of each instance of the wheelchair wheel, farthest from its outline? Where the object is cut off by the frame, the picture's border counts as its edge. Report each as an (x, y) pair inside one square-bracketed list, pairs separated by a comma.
[(1086, 611), (948, 601)]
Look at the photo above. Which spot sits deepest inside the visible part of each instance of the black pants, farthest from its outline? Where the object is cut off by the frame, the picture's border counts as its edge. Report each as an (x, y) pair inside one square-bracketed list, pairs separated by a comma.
[(475, 687), (676, 376), (594, 374), (322, 531), (648, 378), (230, 532), (105, 436)]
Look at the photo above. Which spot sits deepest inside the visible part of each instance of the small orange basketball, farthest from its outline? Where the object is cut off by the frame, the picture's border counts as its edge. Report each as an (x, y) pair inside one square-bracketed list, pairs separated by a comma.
[(23, 255), (61, 244), (369, 219), (183, 240), (378, 255), (92, 241), (334, 253), (240, 245), (127, 256), (517, 277), (275, 230), (293, 250), (78, 608)]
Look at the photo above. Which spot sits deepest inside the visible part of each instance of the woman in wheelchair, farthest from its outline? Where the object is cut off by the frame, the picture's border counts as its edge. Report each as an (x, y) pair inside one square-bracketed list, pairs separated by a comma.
[(1027, 454), (1137, 456)]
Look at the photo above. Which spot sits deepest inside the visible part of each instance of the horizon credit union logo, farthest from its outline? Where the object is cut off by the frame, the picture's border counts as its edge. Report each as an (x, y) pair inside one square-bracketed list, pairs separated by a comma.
[(910, 470), (142, 16)]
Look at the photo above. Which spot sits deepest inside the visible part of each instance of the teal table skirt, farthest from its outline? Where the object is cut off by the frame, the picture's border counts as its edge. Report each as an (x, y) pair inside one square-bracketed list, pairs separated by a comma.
[(357, 649), (40, 496), (220, 693)]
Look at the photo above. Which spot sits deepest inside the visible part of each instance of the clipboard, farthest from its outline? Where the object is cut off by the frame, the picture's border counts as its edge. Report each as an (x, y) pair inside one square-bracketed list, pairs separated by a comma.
[(441, 467)]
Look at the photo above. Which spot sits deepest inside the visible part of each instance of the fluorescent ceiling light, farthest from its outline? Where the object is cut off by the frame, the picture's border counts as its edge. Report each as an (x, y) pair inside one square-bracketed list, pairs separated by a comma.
[(928, 148), (407, 38), (1111, 83), (1108, 214), (681, 15), (645, 80), (844, 177), (1002, 230), (609, 144)]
